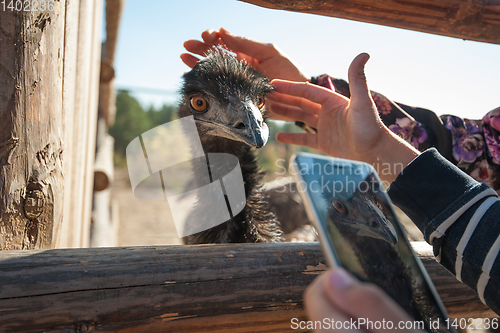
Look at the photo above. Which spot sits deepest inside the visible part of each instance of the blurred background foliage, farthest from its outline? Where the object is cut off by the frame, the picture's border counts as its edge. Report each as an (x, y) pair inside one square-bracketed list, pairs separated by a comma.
[(132, 120)]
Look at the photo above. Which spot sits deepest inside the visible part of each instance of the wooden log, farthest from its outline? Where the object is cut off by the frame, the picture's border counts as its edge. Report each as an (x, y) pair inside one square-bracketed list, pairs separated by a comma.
[(93, 106), (107, 93), (107, 101), (114, 9), (107, 90), (78, 209), (70, 127), (103, 170), (226, 288), (31, 126), (472, 20), (103, 232)]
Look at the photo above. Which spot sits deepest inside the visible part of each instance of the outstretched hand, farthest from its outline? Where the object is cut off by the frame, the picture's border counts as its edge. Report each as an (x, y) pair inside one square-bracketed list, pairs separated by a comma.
[(347, 128), (264, 57)]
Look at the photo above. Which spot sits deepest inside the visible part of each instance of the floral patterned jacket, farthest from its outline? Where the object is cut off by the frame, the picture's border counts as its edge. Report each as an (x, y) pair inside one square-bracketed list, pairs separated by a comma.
[(472, 145)]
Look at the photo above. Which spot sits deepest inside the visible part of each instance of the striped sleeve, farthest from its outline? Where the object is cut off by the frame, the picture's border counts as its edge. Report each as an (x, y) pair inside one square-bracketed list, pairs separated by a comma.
[(458, 216)]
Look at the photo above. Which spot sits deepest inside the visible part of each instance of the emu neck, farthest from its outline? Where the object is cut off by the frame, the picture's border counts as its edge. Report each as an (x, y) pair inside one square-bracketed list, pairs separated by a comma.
[(383, 265), (242, 151)]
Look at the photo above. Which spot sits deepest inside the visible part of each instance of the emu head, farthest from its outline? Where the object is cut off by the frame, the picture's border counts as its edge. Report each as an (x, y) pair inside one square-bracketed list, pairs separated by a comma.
[(362, 214), (226, 99)]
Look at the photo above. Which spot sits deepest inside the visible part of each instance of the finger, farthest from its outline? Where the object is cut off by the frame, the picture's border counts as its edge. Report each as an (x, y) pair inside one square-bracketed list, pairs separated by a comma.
[(357, 79), (257, 50), (308, 91), (197, 47), (302, 139), (189, 60), (319, 308), (300, 102), (295, 114), (247, 59), (211, 37), (362, 300), (272, 115)]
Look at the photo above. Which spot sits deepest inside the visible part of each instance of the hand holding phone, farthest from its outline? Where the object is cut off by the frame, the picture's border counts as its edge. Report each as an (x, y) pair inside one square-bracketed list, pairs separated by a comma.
[(359, 230)]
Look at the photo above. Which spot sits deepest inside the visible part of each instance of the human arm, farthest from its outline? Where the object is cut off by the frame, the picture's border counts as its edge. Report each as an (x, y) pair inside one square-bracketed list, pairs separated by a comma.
[(458, 216), (444, 202)]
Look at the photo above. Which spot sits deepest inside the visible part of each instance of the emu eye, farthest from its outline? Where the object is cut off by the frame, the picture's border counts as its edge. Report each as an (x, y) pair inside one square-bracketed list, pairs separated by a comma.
[(339, 207), (262, 101), (199, 103)]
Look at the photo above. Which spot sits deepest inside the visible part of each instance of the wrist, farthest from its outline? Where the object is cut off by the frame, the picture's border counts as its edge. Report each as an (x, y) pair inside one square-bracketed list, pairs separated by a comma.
[(394, 155)]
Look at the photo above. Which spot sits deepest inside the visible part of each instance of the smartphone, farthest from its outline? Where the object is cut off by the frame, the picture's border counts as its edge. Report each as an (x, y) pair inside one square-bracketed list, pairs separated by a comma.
[(359, 230)]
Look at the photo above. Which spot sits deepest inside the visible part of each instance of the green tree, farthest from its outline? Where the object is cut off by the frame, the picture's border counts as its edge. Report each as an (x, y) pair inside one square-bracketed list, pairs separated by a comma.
[(163, 115), (131, 121)]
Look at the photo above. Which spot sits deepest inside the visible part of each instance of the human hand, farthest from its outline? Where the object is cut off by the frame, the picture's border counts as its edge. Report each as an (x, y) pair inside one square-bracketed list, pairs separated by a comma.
[(337, 295), (346, 128), (264, 57)]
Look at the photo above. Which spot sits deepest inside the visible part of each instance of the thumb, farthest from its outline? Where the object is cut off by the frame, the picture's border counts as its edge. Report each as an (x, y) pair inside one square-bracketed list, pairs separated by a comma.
[(357, 79), (358, 299)]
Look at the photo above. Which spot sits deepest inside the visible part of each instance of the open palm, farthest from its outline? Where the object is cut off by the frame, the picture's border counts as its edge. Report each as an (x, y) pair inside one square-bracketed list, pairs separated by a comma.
[(346, 128)]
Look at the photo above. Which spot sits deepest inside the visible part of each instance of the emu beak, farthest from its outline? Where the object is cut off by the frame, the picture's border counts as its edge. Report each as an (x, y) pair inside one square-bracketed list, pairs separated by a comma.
[(384, 230), (247, 122)]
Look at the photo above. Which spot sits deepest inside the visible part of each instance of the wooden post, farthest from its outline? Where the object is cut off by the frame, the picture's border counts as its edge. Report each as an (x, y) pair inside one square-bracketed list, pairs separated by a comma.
[(104, 167), (49, 74), (84, 44), (107, 102), (103, 231), (31, 126), (223, 288), (465, 19)]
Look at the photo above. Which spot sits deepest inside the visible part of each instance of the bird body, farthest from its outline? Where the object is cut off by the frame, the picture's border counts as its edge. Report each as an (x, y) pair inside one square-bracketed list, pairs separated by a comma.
[(226, 99)]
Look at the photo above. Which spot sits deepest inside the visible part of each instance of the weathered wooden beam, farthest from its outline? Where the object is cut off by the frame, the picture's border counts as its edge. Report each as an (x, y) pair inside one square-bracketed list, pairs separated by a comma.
[(114, 9), (103, 231), (472, 20), (226, 288), (107, 91), (31, 125), (81, 146), (104, 167)]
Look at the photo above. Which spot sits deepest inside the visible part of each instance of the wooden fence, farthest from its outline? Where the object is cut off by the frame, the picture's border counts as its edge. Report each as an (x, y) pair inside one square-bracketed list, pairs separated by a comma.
[(472, 20), (49, 70), (204, 288)]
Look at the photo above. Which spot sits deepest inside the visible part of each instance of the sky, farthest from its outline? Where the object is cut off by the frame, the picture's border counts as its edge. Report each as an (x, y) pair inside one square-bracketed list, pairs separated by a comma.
[(443, 74)]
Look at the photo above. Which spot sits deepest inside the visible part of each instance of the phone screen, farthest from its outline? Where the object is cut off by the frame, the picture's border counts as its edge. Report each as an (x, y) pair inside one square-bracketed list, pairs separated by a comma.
[(359, 230)]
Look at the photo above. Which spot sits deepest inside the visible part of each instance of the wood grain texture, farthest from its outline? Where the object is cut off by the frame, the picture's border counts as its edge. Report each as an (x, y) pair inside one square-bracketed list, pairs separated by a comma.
[(31, 127), (466, 19), (104, 167), (203, 288), (107, 94), (70, 127), (95, 33), (78, 203)]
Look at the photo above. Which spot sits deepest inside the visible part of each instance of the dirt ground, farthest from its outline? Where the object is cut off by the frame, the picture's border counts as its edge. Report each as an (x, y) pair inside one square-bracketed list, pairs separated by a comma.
[(142, 222)]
